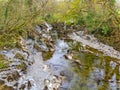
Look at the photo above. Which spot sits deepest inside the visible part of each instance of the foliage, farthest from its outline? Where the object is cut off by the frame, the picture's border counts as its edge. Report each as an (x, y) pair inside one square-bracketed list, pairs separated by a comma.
[(18, 16), (105, 29), (93, 14)]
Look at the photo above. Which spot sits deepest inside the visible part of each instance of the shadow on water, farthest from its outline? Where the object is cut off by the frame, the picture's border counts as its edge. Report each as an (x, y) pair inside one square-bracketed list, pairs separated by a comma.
[(93, 70)]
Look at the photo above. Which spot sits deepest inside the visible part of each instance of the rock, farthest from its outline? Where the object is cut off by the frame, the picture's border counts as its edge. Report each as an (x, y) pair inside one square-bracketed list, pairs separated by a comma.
[(69, 56), (21, 42), (9, 78), (77, 62), (59, 26), (29, 85), (40, 46), (16, 84), (54, 83), (50, 45), (22, 67), (62, 73), (37, 47), (4, 77), (46, 68), (47, 55), (38, 29), (22, 87), (42, 26), (88, 38), (2, 82), (45, 88), (34, 34), (54, 35), (46, 82), (52, 49), (19, 56), (15, 75)]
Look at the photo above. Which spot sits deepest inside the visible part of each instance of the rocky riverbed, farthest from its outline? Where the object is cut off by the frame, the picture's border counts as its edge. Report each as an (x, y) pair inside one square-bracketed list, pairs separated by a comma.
[(52, 60)]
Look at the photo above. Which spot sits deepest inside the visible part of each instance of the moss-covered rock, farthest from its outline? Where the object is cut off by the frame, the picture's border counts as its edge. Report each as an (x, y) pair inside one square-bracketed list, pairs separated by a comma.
[(47, 55), (19, 56), (3, 62), (22, 67)]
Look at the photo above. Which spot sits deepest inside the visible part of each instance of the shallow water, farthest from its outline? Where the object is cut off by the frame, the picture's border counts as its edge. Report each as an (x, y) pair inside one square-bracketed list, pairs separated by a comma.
[(94, 72)]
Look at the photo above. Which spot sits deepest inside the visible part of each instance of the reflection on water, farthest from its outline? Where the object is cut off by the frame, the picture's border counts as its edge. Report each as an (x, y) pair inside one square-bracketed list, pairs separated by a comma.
[(95, 71)]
